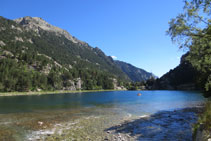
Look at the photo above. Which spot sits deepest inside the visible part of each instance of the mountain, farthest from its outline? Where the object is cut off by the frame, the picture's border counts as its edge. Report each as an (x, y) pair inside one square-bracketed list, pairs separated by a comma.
[(36, 23), (70, 51), (134, 73), (35, 55), (183, 77)]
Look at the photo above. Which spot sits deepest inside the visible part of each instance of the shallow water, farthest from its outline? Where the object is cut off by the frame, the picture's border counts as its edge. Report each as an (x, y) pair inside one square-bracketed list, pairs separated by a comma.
[(21, 116)]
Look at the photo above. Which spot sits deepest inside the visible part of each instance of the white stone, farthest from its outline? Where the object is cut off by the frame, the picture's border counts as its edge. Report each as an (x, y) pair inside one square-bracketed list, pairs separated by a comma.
[(19, 39), (40, 123), (2, 43)]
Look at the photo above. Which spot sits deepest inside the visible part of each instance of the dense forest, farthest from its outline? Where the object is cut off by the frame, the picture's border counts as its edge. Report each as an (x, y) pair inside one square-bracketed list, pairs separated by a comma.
[(30, 62), (37, 61), (34, 58)]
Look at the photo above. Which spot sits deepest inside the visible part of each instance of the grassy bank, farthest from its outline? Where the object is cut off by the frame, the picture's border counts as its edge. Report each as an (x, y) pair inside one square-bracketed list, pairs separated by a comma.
[(50, 92)]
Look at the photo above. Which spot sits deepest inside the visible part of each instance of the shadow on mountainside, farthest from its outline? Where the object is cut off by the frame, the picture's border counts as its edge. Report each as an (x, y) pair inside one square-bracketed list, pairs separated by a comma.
[(164, 125)]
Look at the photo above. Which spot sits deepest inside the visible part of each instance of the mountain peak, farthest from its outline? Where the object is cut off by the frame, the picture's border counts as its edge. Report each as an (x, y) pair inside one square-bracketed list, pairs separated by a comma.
[(37, 23)]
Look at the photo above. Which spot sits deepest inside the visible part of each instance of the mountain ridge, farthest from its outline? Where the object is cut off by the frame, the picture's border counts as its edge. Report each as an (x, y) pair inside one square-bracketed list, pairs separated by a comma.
[(34, 23), (53, 55), (135, 74)]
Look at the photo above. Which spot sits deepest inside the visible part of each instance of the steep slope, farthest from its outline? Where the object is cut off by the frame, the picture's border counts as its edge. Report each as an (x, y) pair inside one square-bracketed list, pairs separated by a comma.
[(183, 77), (66, 49), (35, 55), (134, 73), (36, 23)]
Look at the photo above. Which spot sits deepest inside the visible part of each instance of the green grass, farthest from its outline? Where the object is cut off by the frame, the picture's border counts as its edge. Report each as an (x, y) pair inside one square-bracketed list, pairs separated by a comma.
[(49, 92)]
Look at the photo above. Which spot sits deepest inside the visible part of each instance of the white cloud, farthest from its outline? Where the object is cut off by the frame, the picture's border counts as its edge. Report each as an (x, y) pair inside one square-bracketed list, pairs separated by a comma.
[(114, 57)]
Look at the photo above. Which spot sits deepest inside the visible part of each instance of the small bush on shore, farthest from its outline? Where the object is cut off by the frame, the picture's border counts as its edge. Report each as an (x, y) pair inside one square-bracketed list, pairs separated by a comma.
[(204, 121)]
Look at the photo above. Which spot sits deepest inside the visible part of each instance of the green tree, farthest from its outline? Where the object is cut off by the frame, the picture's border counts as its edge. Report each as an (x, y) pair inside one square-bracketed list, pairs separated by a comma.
[(192, 30), (55, 80)]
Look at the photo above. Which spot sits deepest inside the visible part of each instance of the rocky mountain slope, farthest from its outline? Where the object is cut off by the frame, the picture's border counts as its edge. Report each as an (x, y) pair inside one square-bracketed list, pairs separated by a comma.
[(35, 55), (36, 23)]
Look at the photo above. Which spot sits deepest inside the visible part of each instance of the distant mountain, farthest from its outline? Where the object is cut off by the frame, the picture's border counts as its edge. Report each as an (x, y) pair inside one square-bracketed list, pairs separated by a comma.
[(134, 73), (35, 55)]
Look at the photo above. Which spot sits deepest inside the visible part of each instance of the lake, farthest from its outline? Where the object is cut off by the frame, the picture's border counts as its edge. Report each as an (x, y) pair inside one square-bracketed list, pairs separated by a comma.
[(64, 115)]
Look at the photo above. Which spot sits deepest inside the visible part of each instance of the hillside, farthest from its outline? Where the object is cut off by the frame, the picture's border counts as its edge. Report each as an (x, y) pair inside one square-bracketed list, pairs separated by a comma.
[(183, 77), (134, 73), (35, 55), (66, 49)]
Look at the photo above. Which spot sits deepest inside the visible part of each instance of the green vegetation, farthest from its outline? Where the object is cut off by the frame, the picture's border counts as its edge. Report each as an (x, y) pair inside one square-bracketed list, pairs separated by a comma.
[(143, 85), (192, 30), (181, 77), (44, 61), (135, 85), (204, 120), (206, 117), (51, 92), (34, 59)]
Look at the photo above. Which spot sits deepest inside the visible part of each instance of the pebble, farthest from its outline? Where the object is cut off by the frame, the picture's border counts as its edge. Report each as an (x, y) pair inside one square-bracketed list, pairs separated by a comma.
[(40, 123), (108, 132)]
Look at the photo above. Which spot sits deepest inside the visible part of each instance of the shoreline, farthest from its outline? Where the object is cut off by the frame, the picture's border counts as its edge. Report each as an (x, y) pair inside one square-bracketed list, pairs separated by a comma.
[(51, 92), (163, 125)]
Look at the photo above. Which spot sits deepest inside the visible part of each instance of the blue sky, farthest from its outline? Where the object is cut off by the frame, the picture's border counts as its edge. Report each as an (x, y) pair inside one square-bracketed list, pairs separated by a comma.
[(131, 30)]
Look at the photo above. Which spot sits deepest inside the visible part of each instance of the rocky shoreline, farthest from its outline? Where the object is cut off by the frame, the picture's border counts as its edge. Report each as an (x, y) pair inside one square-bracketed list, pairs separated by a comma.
[(164, 125)]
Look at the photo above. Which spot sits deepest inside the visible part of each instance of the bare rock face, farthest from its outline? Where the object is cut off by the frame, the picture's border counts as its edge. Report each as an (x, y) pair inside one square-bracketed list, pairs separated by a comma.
[(2, 43), (116, 86), (71, 87), (19, 39), (79, 82), (7, 53), (115, 83), (36, 23)]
